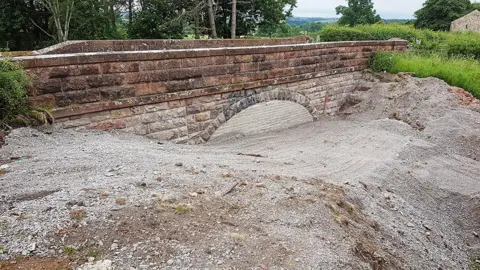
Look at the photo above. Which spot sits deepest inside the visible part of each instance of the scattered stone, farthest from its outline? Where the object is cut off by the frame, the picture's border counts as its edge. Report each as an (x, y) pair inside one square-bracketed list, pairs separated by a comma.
[(32, 247), (427, 227), (170, 262), (200, 191), (410, 225), (179, 164), (121, 201), (115, 169), (114, 246), (100, 265), (260, 185), (193, 194), (365, 186), (142, 184), (475, 234)]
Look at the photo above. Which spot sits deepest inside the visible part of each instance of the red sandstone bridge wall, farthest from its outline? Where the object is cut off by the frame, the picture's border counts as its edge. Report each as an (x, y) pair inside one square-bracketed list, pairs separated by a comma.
[(185, 95), (82, 46)]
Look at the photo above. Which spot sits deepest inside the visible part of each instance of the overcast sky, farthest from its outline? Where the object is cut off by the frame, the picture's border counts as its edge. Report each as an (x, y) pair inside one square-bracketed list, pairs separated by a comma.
[(388, 9)]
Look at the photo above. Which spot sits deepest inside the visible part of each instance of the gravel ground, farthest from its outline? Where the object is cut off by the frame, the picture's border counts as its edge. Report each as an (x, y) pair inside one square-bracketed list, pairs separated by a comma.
[(392, 182)]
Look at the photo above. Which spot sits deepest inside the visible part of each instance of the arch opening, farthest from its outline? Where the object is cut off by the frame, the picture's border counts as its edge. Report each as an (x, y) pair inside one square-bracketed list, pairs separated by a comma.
[(243, 104), (263, 117)]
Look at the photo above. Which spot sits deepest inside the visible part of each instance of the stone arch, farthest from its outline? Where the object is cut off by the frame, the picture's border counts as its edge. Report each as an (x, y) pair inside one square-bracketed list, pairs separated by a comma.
[(251, 100)]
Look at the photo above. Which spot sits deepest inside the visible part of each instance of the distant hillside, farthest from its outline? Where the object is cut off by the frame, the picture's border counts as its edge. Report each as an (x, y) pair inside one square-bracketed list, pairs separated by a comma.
[(305, 20), (297, 21)]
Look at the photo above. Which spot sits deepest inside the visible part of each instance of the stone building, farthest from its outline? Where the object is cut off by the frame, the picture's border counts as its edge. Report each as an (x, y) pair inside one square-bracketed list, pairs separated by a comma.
[(469, 22)]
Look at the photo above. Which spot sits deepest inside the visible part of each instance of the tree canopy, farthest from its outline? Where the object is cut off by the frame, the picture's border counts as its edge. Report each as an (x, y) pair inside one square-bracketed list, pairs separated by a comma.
[(439, 14), (357, 12), (33, 24)]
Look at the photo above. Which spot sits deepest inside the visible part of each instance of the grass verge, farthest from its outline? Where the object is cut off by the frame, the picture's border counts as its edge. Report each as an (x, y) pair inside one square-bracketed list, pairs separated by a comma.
[(460, 72)]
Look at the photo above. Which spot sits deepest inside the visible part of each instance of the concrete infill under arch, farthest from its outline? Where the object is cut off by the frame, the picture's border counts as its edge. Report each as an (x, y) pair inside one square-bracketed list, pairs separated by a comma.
[(184, 95), (263, 117)]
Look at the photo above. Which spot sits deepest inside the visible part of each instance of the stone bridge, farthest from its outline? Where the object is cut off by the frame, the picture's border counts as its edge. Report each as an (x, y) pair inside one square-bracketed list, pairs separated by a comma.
[(184, 91)]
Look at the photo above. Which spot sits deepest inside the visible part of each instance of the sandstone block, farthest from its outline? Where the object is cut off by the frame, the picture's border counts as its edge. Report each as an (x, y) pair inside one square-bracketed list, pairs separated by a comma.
[(108, 125), (121, 113), (166, 125), (76, 123), (203, 116)]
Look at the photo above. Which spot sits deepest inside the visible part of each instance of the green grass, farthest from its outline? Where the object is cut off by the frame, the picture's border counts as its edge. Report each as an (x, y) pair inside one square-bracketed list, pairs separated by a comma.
[(456, 71), (69, 251)]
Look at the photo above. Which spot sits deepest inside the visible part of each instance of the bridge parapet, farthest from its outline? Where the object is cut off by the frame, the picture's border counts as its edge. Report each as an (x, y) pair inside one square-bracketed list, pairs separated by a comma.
[(184, 95)]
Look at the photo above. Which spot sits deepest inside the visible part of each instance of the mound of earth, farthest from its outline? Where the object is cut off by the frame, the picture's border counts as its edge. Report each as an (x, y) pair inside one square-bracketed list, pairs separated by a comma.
[(391, 182)]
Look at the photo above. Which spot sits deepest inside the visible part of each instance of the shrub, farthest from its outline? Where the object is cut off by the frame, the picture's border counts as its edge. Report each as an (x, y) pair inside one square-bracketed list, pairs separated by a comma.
[(382, 61), (13, 95), (449, 44)]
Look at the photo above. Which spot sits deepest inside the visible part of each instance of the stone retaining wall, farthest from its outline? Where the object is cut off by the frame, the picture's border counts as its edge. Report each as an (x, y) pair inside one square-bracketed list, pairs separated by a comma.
[(185, 95)]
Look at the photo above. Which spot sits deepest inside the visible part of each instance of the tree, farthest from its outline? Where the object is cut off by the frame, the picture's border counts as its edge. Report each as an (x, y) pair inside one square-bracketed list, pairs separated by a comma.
[(234, 19), (357, 12), (251, 15), (439, 14), (211, 17), (95, 19), (158, 19), (475, 6), (61, 15), (17, 32)]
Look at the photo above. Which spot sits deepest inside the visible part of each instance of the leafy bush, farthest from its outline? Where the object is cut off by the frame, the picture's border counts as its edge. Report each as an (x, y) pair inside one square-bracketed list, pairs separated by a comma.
[(13, 95), (456, 71), (382, 61), (449, 44)]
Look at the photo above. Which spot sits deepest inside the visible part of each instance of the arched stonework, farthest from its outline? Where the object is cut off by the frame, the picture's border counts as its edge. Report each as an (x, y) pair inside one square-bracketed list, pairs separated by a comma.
[(246, 102)]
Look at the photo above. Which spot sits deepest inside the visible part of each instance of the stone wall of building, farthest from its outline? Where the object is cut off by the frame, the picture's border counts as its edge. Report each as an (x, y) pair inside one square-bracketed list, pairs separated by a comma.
[(469, 22), (185, 95)]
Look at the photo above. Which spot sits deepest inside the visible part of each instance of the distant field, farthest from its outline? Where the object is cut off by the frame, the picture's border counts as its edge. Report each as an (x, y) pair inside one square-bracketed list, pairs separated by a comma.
[(305, 20)]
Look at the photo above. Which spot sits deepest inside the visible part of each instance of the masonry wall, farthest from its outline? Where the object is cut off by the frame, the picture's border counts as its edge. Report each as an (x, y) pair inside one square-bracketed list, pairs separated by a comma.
[(185, 95), (83, 46), (469, 22)]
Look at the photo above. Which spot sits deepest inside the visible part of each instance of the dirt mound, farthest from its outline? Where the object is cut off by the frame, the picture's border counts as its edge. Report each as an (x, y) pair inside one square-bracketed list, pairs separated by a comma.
[(392, 182)]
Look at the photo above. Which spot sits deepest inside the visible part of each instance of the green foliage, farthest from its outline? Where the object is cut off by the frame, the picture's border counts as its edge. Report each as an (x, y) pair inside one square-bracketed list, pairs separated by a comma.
[(95, 19), (266, 15), (13, 95), (17, 25), (439, 14), (158, 19), (357, 12), (461, 72), (475, 6), (382, 61), (449, 44), (282, 30)]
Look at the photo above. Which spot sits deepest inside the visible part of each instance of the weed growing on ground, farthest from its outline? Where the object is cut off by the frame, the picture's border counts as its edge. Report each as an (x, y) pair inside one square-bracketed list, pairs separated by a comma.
[(78, 214), (70, 251), (94, 253), (183, 208)]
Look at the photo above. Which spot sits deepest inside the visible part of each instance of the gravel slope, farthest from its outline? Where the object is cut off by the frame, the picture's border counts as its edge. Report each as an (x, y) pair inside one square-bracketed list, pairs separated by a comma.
[(392, 182)]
